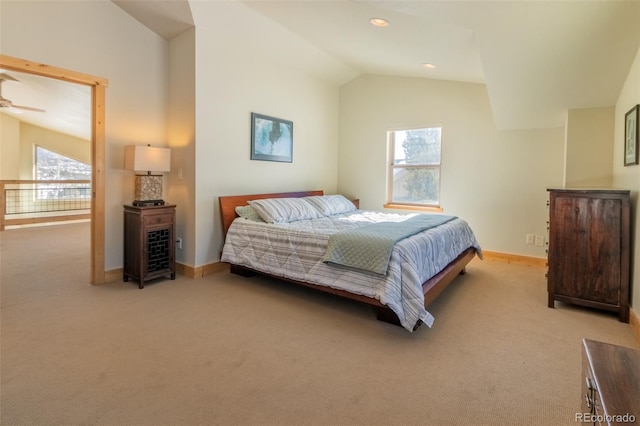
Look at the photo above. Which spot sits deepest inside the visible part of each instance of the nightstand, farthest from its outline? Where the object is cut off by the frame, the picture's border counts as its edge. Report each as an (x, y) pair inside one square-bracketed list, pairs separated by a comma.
[(149, 242)]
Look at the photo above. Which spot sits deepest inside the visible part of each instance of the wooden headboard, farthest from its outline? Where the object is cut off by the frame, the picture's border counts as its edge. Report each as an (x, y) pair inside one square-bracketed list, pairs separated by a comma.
[(229, 203)]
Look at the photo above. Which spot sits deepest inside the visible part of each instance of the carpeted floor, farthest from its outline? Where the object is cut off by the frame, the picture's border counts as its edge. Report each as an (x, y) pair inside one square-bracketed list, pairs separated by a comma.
[(242, 351)]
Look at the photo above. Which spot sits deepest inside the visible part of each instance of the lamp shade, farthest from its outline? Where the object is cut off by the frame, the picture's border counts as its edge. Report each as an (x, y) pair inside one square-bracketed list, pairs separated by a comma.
[(147, 158)]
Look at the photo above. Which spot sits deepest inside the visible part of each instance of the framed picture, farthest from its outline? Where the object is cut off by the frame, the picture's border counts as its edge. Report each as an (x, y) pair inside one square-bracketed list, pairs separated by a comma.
[(631, 131), (271, 138)]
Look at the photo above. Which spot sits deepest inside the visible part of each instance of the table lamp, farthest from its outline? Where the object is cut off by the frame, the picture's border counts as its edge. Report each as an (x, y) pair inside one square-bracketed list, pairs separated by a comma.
[(147, 159)]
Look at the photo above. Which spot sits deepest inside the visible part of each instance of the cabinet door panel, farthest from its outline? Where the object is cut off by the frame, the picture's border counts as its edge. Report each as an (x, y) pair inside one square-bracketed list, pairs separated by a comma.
[(158, 244), (586, 245)]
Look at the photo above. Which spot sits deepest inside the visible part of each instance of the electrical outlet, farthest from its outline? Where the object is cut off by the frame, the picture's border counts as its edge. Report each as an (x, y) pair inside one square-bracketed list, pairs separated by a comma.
[(540, 240), (530, 239), (179, 241)]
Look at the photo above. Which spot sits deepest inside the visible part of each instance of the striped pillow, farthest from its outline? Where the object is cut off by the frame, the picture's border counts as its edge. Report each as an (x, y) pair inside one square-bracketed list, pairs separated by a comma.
[(284, 210), (330, 205)]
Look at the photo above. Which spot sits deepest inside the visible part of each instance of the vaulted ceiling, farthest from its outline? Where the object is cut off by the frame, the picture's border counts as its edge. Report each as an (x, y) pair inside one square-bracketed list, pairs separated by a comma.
[(537, 58), (67, 106)]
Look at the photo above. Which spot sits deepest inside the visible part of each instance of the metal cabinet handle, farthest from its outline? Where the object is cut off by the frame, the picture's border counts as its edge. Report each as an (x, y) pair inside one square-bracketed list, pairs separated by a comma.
[(588, 401), (590, 384)]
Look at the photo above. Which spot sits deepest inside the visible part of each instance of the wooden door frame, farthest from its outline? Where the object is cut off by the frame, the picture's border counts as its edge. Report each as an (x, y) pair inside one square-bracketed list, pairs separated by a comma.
[(98, 87)]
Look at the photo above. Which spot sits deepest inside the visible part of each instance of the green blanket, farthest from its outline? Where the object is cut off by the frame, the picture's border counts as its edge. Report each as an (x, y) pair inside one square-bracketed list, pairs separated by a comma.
[(369, 248)]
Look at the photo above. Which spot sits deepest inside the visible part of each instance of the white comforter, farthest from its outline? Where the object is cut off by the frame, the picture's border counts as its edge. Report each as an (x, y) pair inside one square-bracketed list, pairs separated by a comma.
[(293, 250)]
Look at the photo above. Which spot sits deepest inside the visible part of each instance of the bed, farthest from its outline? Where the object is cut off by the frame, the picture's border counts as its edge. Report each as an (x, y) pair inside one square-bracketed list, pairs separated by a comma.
[(292, 243)]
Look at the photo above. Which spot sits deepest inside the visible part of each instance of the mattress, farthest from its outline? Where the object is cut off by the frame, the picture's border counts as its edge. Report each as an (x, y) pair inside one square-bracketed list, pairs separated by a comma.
[(294, 251)]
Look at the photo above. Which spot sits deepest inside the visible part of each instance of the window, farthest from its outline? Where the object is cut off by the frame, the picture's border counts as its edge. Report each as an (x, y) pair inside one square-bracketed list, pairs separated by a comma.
[(414, 172), (53, 166)]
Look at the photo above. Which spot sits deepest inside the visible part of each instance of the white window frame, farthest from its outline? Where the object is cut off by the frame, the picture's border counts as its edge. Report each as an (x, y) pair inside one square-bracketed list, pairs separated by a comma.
[(391, 142)]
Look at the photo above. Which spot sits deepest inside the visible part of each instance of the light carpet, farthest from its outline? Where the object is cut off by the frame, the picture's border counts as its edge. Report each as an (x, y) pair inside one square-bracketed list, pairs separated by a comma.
[(228, 350)]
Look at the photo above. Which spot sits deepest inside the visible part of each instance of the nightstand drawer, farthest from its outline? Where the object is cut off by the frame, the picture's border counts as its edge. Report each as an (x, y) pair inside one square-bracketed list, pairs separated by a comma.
[(158, 219)]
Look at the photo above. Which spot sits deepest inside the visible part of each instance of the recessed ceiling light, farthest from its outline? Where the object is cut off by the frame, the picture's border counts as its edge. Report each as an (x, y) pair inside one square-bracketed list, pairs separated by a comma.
[(428, 66), (379, 22)]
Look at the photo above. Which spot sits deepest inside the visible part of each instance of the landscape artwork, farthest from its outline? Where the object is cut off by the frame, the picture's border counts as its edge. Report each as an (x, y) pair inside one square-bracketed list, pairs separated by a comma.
[(631, 135), (271, 138)]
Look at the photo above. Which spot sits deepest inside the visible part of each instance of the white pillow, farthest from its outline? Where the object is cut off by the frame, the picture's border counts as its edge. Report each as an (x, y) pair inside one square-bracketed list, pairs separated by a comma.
[(284, 210), (249, 213), (330, 205)]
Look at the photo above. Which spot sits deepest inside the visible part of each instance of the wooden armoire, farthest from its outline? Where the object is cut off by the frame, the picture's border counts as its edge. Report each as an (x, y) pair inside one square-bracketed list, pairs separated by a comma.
[(589, 248)]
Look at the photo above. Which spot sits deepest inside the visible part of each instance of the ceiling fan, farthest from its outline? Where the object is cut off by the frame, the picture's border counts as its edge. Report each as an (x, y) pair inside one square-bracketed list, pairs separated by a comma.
[(6, 103)]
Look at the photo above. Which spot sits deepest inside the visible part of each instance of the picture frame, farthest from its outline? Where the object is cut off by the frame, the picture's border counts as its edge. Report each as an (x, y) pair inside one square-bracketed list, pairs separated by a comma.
[(631, 135), (271, 138)]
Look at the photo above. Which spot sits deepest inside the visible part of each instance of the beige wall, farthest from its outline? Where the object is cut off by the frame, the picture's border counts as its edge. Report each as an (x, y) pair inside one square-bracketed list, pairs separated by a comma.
[(589, 147), (9, 147), (19, 140), (496, 180), (99, 38), (32, 136), (629, 177)]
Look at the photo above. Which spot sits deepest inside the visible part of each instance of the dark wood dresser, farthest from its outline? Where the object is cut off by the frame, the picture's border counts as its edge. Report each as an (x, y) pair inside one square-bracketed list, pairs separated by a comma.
[(589, 248), (610, 384), (149, 242)]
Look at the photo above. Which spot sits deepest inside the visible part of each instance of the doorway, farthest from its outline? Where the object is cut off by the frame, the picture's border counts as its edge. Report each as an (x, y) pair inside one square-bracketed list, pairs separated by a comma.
[(98, 87)]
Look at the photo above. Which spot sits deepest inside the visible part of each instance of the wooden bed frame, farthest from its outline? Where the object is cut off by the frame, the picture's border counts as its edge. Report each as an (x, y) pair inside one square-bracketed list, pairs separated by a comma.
[(431, 288)]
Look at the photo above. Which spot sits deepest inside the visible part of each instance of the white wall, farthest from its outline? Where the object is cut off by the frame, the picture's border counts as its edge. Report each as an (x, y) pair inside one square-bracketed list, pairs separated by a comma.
[(496, 180), (629, 177), (182, 140), (589, 147), (99, 38), (230, 80), (240, 69), (242, 64)]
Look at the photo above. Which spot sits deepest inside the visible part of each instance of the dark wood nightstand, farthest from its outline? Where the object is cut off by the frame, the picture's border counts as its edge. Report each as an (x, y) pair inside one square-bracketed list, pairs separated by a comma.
[(149, 242)]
